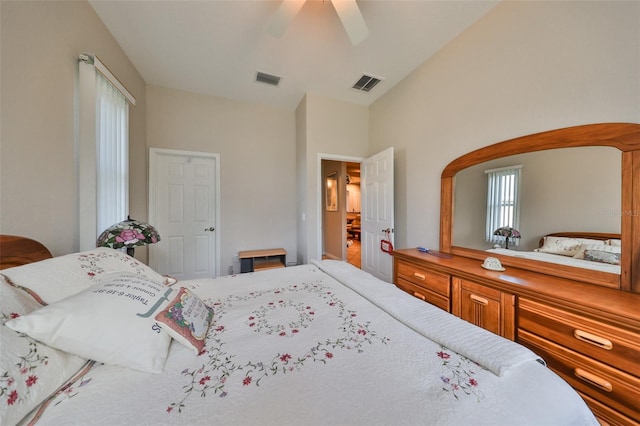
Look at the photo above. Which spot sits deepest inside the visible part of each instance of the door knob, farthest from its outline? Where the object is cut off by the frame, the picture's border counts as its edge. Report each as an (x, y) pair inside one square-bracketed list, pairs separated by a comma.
[(211, 229)]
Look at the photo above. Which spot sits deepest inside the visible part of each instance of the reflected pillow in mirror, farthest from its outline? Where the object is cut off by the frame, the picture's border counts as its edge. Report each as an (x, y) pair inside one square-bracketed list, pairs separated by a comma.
[(614, 242), (565, 246), (599, 247), (602, 256)]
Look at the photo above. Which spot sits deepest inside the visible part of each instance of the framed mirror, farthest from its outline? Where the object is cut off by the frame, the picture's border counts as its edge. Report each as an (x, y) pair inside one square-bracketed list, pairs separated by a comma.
[(586, 163)]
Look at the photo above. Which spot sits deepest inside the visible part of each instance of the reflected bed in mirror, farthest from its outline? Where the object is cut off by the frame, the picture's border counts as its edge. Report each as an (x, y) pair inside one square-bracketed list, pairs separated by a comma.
[(594, 251), (577, 179)]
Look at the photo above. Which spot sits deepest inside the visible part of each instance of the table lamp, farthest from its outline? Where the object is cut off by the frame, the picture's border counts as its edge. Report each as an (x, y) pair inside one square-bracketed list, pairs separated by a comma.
[(128, 233)]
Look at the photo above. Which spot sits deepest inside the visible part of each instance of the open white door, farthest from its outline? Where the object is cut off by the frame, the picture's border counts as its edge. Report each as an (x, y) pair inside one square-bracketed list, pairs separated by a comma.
[(184, 207), (377, 213)]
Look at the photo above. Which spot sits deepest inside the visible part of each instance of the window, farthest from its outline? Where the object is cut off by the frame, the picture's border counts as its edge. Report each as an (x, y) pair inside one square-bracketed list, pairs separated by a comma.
[(103, 150), (503, 200), (112, 149)]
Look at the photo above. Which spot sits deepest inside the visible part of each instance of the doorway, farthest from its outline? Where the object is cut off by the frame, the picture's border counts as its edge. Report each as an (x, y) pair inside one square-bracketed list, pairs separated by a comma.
[(341, 211), (377, 212)]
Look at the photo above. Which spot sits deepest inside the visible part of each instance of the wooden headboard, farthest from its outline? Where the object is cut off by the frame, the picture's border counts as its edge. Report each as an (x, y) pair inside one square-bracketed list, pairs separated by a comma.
[(602, 236), (16, 251)]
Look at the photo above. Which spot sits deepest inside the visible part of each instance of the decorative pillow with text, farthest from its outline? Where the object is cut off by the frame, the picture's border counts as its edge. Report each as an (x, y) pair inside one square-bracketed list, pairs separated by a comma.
[(187, 319), (111, 322)]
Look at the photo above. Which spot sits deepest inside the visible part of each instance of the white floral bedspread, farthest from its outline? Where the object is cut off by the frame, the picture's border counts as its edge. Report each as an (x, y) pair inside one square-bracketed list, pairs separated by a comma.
[(296, 346)]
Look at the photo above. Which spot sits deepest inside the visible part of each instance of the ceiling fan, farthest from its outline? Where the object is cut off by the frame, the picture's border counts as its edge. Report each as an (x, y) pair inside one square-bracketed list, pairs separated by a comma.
[(347, 10)]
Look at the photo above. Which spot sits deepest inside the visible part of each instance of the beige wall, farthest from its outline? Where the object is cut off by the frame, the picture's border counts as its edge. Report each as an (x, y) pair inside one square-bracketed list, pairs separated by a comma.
[(525, 67), (41, 41), (333, 130), (257, 150), (334, 222)]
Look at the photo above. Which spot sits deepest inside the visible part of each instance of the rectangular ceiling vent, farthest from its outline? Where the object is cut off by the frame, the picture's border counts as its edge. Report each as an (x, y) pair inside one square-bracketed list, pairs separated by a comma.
[(366, 83), (262, 77)]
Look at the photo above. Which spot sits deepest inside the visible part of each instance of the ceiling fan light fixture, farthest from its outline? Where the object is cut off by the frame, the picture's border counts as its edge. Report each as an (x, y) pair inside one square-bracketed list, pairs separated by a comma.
[(347, 10)]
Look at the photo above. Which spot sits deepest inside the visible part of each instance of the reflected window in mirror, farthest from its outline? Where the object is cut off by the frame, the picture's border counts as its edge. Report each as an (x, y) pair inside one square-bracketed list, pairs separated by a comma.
[(503, 202), (566, 189)]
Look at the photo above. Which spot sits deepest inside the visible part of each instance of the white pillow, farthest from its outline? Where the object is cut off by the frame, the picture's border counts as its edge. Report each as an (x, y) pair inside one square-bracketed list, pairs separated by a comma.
[(599, 247), (29, 370), (615, 242), (111, 322), (565, 246), (59, 277), (602, 256), (187, 319)]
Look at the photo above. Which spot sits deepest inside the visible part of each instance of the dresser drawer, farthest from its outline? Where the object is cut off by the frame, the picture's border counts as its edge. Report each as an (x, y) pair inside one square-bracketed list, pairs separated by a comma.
[(606, 416), (612, 387), (433, 281), (611, 345), (424, 294)]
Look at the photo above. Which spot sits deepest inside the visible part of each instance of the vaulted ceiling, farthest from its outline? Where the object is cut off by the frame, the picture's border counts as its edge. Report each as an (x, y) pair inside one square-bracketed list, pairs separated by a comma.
[(216, 47)]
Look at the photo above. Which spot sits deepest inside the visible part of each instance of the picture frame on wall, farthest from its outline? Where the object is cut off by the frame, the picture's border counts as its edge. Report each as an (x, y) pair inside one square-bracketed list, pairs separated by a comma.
[(332, 192)]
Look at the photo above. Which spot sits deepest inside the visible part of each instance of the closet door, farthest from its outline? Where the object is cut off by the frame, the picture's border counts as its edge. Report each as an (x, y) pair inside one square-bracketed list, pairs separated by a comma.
[(184, 207)]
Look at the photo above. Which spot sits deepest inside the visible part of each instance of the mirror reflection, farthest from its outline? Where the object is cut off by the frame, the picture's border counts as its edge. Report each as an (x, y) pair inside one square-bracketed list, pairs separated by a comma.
[(561, 190)]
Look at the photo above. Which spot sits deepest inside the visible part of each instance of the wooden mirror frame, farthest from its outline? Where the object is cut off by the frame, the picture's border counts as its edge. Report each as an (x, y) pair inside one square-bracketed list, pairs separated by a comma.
[(623, 136)]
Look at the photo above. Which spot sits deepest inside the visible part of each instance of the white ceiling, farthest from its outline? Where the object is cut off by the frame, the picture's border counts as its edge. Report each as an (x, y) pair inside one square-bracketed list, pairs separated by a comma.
[(215, 47)]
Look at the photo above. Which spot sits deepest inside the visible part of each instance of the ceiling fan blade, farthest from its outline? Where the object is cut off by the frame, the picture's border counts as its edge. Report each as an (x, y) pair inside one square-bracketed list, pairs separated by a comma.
[(352, 20), (284, 15)]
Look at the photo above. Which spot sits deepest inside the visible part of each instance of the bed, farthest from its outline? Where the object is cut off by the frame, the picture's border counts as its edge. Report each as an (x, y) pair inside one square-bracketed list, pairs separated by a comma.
[(316, 344), (591, 250)]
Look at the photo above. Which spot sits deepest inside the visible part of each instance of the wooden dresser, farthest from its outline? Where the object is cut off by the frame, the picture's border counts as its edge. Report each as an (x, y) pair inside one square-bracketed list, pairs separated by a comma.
[(588, 334)]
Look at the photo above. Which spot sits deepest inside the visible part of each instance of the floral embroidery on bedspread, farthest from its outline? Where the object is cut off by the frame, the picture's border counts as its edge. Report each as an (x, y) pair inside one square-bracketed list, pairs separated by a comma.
[(28, 366), (91, 262), (223, 367), (459, 375)]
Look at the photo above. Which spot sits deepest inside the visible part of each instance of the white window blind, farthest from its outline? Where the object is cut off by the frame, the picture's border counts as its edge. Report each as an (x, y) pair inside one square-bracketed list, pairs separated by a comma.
[(103, 150), (503, 200), (112, 148)]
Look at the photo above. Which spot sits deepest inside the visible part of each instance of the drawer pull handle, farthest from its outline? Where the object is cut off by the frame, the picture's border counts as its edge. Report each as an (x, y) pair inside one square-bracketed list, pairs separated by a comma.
[(478, 299), (419, 276), (593, 339), (419, 296), (593, 379)]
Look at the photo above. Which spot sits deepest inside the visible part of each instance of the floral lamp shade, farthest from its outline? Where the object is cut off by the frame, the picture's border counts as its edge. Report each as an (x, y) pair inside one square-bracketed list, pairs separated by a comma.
[(128, 233), (507, 232)]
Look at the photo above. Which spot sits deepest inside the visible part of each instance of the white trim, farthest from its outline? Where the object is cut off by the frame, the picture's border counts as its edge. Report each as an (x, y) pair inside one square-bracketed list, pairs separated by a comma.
[(102, 68), (86, 149)]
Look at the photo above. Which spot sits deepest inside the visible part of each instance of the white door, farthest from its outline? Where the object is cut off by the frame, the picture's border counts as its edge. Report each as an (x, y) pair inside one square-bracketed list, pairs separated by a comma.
[(184, 207), (377, 213)]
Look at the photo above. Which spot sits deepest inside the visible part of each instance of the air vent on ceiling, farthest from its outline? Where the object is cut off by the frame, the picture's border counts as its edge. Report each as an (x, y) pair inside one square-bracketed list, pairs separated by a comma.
[(366, 83), (262, 77)]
